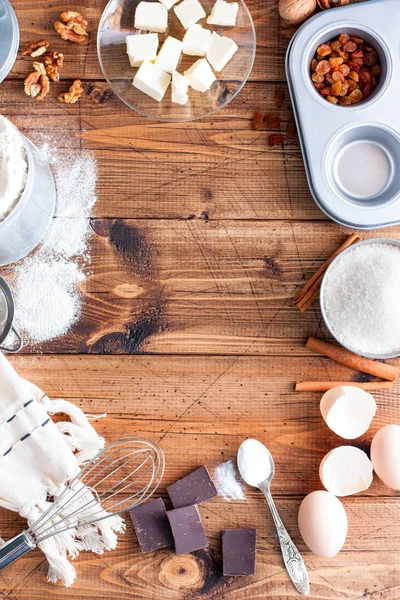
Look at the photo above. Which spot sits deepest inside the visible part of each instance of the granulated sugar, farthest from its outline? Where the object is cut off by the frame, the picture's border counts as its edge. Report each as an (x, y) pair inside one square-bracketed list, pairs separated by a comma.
[(362, 298), (46, 285)]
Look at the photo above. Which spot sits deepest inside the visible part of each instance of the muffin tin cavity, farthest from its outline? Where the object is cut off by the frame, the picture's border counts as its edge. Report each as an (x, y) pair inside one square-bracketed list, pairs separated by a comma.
[(363, 165)]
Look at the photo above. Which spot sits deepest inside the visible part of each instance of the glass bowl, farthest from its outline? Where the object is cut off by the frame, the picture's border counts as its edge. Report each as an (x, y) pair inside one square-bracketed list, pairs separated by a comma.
[(117, 22)]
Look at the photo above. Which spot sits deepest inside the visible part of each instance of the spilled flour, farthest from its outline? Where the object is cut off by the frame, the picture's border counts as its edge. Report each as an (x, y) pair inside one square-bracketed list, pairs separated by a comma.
[(46, 284)]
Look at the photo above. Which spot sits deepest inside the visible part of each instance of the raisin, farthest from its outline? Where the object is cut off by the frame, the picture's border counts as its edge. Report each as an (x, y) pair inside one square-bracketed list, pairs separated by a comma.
[(344, 69), (336, 88), (319, 86), (326, 91), (344, 101), (336, 62), (275, 140), (353, 66), (374, 81), (272, 120), (376, 70), (343, 38), (356, 40), (337, 76), (367, 48), (357, 54), (336, 45), (332, 99), (371, 58), (329, 78), (324, 50), (345, 89), (355, 96), (314, 63), (323, 67), (344, 55), (352, 84), (317, 78), (365, 77), (353, 75), (367, 91), (257, 121), (349, 46)]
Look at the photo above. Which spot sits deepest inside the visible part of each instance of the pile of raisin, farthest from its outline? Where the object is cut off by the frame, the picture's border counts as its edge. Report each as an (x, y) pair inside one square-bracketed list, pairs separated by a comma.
[(346, 70)]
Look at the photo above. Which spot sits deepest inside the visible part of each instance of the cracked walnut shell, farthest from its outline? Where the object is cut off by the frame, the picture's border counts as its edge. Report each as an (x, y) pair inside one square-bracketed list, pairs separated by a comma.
[(73, 93)]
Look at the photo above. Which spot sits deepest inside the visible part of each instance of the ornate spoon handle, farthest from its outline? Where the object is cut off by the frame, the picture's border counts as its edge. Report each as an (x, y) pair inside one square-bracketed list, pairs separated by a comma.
[(291, 556)]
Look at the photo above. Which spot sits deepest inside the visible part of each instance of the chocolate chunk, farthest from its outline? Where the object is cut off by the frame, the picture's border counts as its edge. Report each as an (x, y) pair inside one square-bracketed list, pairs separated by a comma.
[(239, 551), (152, 526), (187, 529), (195, 488)]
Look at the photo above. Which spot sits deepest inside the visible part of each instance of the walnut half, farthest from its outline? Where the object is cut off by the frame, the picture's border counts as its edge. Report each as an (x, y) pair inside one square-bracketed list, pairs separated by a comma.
[(37, 85), (73, 27), (53, 61), (35, 48), (73, 93)]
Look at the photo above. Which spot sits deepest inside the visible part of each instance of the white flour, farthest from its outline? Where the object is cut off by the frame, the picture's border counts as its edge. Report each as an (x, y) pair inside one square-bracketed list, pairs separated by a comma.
[(226, 482), (46, 287), (13, 167)]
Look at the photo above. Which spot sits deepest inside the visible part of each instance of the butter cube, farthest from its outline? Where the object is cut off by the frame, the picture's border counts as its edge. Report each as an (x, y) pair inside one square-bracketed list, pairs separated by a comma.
[(151, 16), (168, 3), (141, 47), (169, 55), (196, 40), (220, 51), (223, 13), (189, 12), (180, 87), (151, 80), (200, 75)]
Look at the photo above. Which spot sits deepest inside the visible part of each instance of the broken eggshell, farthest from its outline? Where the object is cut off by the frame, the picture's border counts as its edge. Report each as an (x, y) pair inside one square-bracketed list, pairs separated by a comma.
[(322, 523), (385, 453), (346, 470), (348, 411)]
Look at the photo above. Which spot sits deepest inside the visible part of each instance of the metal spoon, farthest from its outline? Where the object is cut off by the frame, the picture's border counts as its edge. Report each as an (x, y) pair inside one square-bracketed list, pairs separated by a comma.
[(265, 469)]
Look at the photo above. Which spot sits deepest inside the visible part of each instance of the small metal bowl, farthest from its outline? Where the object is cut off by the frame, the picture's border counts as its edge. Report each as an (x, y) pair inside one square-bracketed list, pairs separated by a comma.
[(323, 293), (7, 324)]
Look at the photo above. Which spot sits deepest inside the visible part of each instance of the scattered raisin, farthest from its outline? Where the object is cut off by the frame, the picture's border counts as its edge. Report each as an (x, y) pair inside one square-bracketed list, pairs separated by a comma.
[(272, 121), (275, 139), (257, 122)]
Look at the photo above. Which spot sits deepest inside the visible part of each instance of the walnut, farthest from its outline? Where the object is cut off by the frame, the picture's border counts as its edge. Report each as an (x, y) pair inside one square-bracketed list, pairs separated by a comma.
[(37, 85), (39, 67), (73, 93), (35, 48), (53, 62), (73, 27)]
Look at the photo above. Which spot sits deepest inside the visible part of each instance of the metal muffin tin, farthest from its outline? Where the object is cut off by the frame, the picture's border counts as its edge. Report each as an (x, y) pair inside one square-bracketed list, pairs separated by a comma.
[(323, 293), (334, 138)]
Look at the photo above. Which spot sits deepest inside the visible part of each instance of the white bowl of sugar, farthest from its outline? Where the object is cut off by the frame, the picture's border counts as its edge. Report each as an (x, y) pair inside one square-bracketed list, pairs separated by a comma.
[(360, 298)]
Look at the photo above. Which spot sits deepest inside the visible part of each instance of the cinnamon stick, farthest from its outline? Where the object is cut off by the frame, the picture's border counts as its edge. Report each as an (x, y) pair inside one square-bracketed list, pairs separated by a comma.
[(324, 386), (310, 291), (354, 361)]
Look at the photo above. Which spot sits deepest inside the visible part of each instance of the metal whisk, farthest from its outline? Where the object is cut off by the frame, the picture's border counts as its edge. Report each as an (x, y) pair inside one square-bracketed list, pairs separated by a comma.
[(123, 475)]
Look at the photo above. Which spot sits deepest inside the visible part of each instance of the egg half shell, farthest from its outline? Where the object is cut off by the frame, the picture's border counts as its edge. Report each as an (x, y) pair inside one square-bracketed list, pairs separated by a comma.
[(385, 455), (346, 470), (322, 523), (348, 411)]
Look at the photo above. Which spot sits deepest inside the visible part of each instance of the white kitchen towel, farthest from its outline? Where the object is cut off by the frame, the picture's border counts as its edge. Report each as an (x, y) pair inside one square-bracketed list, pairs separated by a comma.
[(38, 457)]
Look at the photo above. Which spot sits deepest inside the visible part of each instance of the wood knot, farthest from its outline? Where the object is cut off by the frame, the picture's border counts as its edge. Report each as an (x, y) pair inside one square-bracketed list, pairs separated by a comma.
[(182, 572)]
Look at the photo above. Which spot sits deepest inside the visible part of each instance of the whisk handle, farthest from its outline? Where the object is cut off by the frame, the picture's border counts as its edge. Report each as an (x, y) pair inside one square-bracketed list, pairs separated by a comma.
[(15, 548)]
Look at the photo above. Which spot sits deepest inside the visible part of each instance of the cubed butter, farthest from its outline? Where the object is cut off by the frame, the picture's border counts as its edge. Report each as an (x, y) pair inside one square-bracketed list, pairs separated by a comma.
[(151, 80), (196, 40), (169, 55), (189, 12), (223, 13), (180, 87), (151, 16), (200, 75), (168, 3), (220, 51), (141, 47)]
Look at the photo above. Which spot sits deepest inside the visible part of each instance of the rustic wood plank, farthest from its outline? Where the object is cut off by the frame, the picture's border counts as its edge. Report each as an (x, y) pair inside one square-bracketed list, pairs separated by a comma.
[(127, 573), (36, 22), (200, 287), (209, 405), (156, 170)]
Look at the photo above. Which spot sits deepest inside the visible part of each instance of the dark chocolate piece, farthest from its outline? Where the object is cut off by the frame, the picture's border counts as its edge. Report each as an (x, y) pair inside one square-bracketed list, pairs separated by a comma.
[(239, 551), (187, 529), (195, 488), (152, 525)]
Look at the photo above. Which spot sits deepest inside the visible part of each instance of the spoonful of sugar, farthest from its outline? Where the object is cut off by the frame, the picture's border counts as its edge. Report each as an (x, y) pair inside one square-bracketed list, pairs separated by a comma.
[(256, 467)]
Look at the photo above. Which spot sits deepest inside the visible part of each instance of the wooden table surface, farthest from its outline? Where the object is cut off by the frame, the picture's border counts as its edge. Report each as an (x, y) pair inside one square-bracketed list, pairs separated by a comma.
[(188, 334)]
